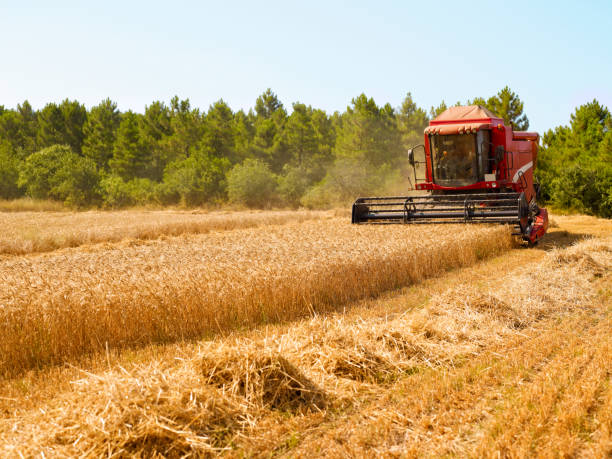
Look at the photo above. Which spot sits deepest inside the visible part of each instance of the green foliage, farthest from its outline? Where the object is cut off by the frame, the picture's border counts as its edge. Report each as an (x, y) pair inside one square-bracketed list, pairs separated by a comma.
[(269, 122), (58, 173), (590, 124), (267, 104), (369, 134), (51, 126), (412, 121), (75, 116), (347, 179), (244, 133), (196, 180), (299, 135), (308, 140), (62, 125), (292, 185), (252, 184), (118, 193), (574, 162), (507, 105), (219, 135), (586, 189), (100, 132), (436, 111), (18, 127), (176, 154), (9, 172), (131, 154), (186, 130)]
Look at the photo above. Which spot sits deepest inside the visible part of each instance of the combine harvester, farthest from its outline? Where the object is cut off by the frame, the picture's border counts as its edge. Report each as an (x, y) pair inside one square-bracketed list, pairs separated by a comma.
[(474, 169)]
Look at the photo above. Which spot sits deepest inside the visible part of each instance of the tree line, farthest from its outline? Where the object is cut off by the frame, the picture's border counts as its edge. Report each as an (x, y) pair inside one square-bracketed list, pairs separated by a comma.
[(176, 154), (575, 162)]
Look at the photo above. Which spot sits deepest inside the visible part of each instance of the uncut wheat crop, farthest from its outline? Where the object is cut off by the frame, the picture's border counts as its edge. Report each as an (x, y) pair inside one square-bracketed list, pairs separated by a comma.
[(72, 302), (27, 232)]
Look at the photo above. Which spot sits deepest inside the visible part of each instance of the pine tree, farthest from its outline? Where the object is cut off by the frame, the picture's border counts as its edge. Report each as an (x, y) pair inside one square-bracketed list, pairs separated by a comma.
[(155, 128), (131, 156), (62, 125), (412, 121), (437, 111), (219, 132), (75, 116), (267, 104), (18, 129), (100, 132), (28, 126), (574, 161), (244, 133), (299, 135), (269, 122), (590, 123), (186, 127), (51, 126), (369, 133), (507, 105)]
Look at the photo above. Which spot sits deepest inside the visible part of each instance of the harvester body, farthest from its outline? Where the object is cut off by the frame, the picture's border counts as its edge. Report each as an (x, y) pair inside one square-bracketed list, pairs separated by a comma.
[(471, 168)]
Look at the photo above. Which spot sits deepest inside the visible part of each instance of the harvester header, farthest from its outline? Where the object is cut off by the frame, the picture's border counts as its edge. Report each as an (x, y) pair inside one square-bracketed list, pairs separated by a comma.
[(471, 168)]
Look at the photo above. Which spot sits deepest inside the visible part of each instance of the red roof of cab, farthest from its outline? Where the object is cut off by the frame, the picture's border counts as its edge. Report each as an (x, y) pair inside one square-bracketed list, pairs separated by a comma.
[(463, 114)]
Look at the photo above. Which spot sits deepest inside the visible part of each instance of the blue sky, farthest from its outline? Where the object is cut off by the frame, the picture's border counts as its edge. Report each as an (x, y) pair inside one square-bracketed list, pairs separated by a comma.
[(555, 55)]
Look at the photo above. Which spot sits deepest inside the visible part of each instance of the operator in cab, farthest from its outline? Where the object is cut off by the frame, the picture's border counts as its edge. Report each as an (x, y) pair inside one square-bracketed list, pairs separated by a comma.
[(456, 160)]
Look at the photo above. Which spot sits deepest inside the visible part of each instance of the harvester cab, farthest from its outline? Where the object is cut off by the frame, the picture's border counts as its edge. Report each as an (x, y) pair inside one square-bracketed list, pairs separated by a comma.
[(471, 168)]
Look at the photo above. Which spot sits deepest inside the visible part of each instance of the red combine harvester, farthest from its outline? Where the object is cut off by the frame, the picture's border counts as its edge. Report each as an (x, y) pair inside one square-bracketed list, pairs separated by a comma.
[(476, 170)]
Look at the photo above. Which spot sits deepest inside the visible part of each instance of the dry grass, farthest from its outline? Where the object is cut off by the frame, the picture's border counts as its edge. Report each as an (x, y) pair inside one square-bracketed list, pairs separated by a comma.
[(499, 367), (30, 205), (584, 224), (74, 302), (28, 232)]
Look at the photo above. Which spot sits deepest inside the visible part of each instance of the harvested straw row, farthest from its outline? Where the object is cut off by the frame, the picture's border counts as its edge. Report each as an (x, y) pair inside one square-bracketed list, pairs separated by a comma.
[(441, 412), (73, 302), (228, 392), (29, 232)]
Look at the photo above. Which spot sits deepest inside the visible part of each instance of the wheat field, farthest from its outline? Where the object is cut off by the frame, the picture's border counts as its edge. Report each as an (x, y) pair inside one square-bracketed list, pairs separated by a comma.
[(311, 337), (74, 302), (29, 232), (372, 379)]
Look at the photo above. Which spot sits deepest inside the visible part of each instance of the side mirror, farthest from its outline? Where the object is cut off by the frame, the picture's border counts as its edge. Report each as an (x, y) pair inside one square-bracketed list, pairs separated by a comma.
[(411, 157), (499, 153)]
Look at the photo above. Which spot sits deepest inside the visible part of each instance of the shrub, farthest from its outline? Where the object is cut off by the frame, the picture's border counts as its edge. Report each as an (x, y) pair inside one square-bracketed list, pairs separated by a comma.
[(58, 173), (252, 183), (195, 180), (586, 189), (9, 173), (348, 179), (319, 196), (293, 185), (118, 193)]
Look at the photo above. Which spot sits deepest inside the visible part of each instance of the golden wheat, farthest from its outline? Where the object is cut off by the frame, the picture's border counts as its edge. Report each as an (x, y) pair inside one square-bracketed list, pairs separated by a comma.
[(250, 392), (28, 232), (76, 301)]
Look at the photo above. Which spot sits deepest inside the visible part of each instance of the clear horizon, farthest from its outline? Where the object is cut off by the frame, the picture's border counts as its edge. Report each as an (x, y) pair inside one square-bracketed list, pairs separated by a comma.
[(555, 56)]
